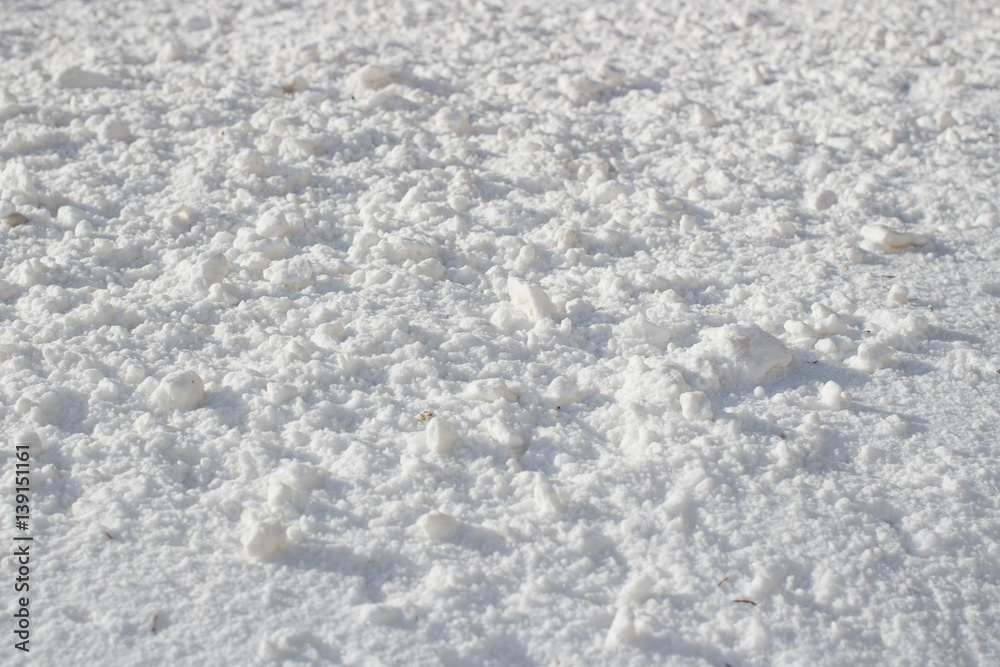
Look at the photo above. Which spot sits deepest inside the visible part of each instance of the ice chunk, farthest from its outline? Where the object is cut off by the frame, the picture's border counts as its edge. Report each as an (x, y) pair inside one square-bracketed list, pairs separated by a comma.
[(738, 353), (530, 299), (272, 224), (441, 435), (891, 240)]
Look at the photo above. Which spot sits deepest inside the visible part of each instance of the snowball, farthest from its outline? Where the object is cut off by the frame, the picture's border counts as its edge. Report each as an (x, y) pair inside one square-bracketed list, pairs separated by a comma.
[(441, 435), (179, 390), (530, 299), (899, 295), (695, 406), (870, 357), (272, 224), (212, 267), (823, 200), (261, 539), (832, 395), (177, 222), (439, 526), (453, 120)]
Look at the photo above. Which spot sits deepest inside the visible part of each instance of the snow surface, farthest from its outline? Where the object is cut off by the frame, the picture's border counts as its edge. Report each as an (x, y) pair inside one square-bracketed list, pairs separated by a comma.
[(503, 333)]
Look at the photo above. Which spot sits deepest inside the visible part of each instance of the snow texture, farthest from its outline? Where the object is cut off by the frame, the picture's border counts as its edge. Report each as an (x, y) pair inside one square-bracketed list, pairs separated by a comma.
[(464, 332)]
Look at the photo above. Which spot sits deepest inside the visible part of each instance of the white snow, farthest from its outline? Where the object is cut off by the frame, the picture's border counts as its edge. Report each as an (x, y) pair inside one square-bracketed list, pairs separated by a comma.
[(179, 390), (441, 435), (502, 333)]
